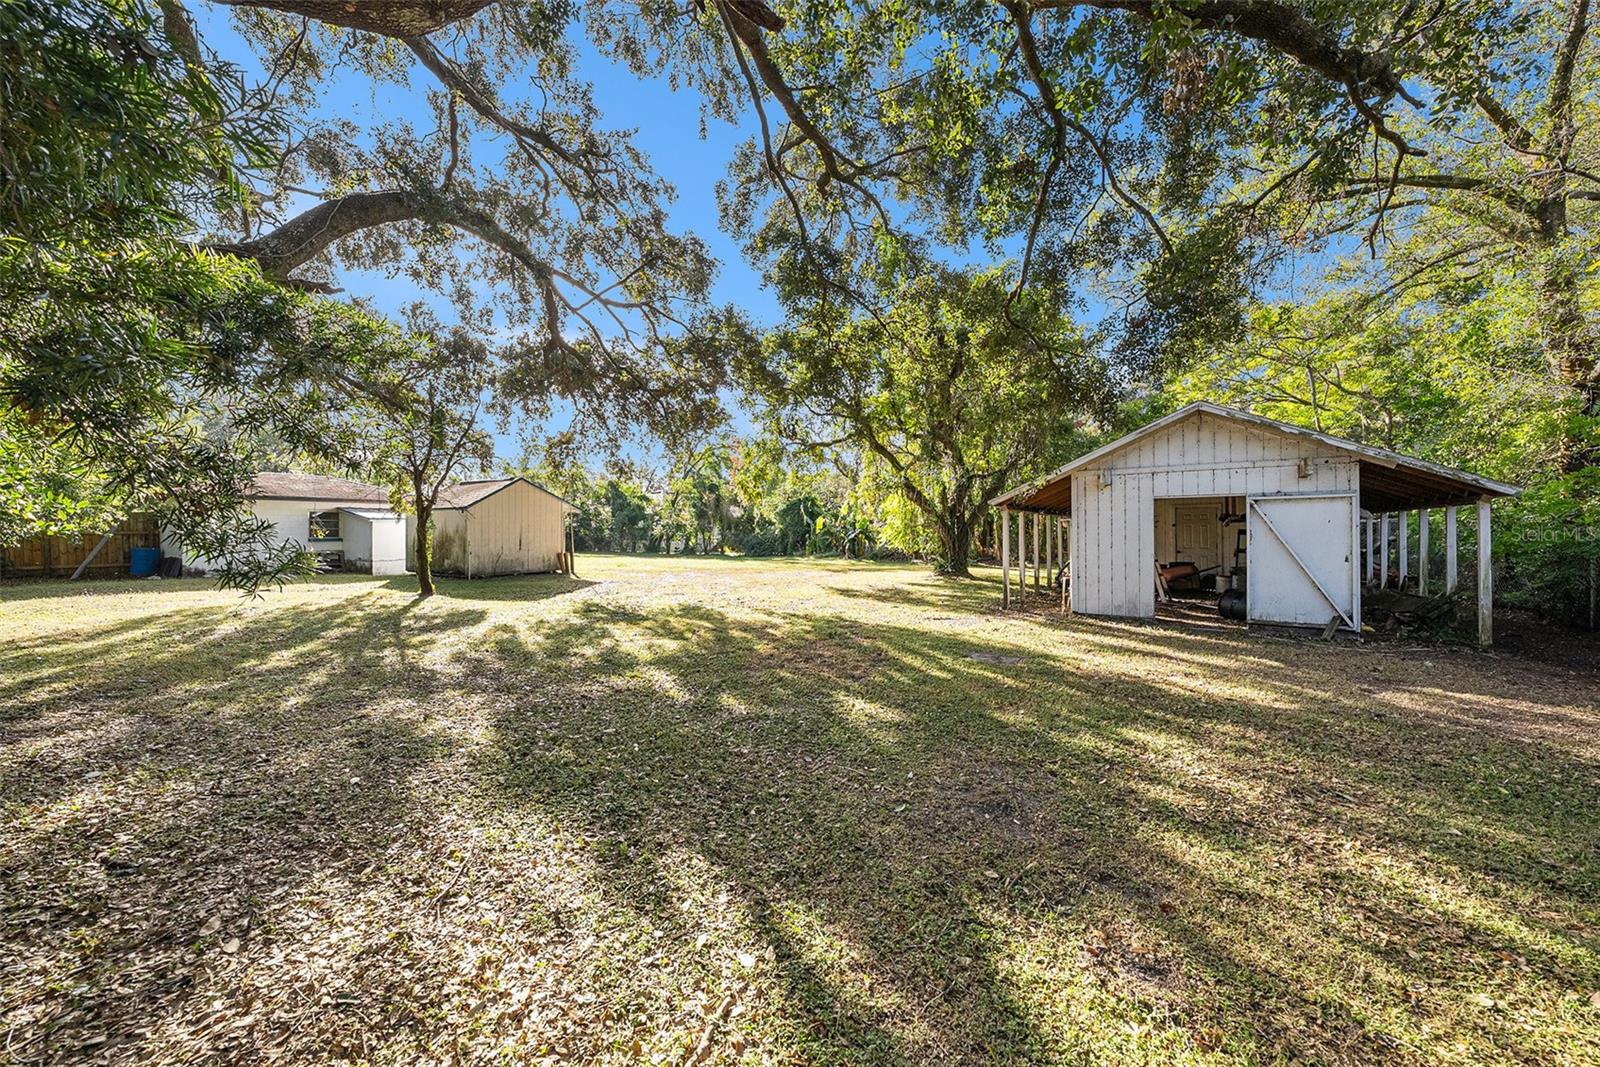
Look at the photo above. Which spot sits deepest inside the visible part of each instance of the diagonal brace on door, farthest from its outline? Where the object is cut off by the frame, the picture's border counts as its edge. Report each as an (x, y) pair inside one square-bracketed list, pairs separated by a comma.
[(1298, 562)]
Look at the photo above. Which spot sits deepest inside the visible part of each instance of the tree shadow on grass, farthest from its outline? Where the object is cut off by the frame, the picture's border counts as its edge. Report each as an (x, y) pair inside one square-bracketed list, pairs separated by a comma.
[(974, 595), (435, 832), (528, 588), (14, 590), (177, 791), (948, 858)]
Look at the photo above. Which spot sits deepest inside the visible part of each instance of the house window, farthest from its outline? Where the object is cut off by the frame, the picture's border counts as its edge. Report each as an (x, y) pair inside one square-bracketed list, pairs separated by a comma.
[(324, 526)]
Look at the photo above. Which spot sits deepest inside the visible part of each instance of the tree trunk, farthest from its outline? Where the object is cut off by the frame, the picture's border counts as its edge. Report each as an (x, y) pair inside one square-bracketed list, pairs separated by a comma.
[(955, 544), (1568, 344), (424, 547)]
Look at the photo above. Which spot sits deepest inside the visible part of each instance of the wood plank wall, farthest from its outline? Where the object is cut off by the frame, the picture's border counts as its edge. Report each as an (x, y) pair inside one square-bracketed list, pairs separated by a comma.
[(519, 530), (1113, 503)]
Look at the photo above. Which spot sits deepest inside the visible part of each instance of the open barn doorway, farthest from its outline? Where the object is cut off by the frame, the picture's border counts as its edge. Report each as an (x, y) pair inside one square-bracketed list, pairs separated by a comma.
[(1201, 554)]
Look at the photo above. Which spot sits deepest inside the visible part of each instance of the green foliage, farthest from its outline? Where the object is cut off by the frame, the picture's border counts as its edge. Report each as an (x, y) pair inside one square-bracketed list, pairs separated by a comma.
[(1454, 374), (140, 370), (121, 345), (749, 497), (108, 131), (954, 391)]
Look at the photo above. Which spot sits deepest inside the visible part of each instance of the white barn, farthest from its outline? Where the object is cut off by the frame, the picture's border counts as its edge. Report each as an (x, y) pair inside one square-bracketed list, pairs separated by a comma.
[(1303, 517), (347, 523), (496, 526)]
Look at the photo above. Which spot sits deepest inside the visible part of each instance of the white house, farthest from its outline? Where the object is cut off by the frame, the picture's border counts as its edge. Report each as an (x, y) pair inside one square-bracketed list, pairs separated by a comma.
[(347, 523), (496, 526), (1294, 518)]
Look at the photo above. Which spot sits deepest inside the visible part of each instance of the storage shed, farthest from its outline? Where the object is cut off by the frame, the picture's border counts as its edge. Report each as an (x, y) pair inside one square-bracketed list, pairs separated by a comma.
[(1293, 518), (497, 526), (374, 540)]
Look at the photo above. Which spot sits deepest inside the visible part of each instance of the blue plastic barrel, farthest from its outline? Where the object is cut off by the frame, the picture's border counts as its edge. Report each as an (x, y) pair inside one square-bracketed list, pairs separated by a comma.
[(142, 561)]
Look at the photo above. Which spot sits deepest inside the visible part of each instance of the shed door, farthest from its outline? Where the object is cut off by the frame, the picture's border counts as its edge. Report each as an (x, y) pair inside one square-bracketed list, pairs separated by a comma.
[(1302, 559)]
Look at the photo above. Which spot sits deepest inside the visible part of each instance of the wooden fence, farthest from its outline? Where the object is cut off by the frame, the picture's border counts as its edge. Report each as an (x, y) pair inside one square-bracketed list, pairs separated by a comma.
[(51, 557)]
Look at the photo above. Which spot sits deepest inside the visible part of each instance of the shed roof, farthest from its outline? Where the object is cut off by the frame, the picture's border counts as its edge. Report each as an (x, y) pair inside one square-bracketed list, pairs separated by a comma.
[(1390, 481), (372, 513), (286, 485), (463, 495)]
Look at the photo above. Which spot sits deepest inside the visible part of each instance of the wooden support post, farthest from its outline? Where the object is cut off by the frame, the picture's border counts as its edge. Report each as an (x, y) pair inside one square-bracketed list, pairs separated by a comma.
[(1005, 557), (1485, 579), (1372, 560), (1052, 533), (1383, 551), (1035, 525), (1021, 565), (1061, 547), (1048, 549), (1449, 550), (1404, 535), (1022, 562), (1061, 567), (1022, 554), (1423, 521)]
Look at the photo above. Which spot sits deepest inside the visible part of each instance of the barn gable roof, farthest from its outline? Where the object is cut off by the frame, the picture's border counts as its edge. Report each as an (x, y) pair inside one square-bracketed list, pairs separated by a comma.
[(1390, 481), (463, 495)]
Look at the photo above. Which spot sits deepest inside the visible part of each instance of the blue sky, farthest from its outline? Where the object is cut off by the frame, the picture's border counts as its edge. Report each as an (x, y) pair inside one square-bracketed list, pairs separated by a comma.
[(667, 124), (668, 130)]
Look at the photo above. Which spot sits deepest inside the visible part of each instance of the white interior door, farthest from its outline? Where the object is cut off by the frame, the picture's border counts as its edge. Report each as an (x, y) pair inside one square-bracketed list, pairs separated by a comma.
[(1302, 560), (1195, 534)]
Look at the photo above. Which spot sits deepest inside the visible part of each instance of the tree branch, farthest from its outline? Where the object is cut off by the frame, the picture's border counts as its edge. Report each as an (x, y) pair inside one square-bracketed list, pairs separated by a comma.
[(1282, 26), (307, 235), (1563, 130), (746, 27), (1021, 18), (390, 18), (480, 101)]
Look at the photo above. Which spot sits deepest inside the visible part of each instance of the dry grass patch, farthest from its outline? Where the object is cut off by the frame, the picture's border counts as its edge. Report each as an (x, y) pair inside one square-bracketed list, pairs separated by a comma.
[(775, 812)]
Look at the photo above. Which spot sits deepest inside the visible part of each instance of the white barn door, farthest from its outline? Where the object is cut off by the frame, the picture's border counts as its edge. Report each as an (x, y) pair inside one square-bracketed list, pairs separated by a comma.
[(1303, 560)]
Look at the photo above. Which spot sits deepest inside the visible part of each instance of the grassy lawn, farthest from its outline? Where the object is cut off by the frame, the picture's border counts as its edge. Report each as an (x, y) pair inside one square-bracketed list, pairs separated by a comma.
[(775, 812)]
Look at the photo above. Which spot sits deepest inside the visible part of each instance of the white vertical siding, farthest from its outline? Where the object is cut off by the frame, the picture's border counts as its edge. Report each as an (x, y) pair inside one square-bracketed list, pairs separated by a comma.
[(1114, 538), (357, 533), (1113, 535), (388, 537), (518, 530)]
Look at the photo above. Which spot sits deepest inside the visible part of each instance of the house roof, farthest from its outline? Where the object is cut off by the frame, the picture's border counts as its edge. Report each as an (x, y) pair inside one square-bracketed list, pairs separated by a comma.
[(1390, 481), (284, 485), (465, 494)]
